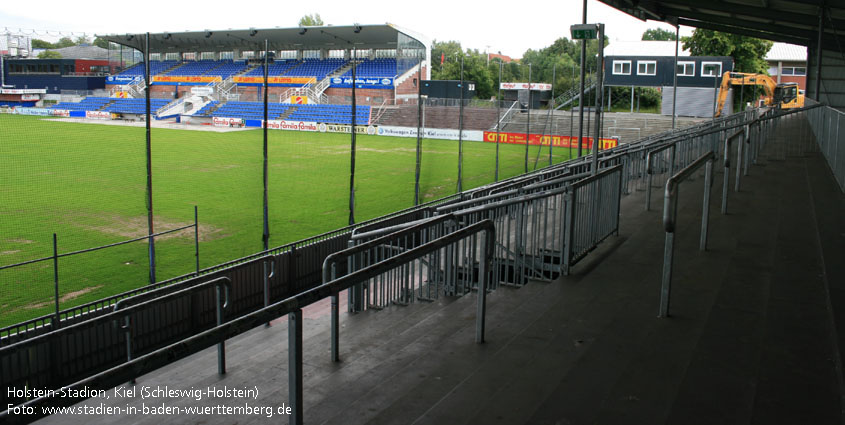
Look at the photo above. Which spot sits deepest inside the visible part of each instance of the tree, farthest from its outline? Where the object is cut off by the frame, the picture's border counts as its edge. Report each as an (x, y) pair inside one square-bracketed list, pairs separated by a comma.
[(64, 42), (313, 20), (444, 55), (82, 39), (101, 42), (748, 53), (658, 34), (41, 44), (49, 54)]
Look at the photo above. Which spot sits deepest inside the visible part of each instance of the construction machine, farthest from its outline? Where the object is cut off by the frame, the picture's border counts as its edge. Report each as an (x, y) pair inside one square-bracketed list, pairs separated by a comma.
[(783, 96)]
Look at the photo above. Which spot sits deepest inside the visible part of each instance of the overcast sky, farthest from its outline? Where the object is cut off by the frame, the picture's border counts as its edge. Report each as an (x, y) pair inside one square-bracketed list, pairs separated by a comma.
[(510, 27)]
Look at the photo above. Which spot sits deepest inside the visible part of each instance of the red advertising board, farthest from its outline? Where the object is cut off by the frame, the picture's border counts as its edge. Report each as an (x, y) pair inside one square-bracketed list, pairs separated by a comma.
[(539, 139)]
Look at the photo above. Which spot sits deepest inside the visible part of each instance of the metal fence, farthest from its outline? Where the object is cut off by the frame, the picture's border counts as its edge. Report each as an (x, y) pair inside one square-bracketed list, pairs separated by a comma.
[(826, 125), (545, 222), (44, 356)]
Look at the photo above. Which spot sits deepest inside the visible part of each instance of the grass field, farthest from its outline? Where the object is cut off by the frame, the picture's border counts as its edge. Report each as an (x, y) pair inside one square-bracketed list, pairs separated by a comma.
[(86, 183)]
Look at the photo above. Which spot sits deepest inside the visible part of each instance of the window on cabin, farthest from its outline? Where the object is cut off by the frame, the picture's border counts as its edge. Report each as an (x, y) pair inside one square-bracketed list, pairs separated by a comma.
[(621, 67), (711, 69), (646, 68), (686, 69)]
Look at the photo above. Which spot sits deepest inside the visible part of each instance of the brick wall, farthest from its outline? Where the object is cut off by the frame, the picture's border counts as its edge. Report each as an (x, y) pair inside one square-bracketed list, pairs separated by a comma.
[(374, 97)]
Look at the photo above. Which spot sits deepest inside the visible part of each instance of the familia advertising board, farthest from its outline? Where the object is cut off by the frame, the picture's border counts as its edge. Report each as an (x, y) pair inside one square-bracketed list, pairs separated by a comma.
[(292, 125), (544, 139)]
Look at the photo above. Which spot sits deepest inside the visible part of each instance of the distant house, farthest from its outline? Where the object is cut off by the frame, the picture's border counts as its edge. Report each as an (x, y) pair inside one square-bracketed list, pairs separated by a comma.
[(651, 64), (503, 58), (788, 64)]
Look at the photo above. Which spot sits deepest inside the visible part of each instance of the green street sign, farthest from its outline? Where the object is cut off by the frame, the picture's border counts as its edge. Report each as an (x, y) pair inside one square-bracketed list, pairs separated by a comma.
[(584, 31)]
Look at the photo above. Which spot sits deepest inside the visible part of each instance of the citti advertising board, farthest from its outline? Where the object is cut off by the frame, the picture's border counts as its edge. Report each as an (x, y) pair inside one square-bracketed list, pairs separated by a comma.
[(543, 140)]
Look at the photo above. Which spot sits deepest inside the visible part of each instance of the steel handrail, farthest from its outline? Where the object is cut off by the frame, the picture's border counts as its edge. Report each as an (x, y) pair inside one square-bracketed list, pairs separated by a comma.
[(670, 211), (292, 305)]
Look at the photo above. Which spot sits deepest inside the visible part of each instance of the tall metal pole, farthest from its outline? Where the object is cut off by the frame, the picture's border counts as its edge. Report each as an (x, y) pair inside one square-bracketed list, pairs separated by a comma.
[(57, 320), (597, 133), (499, 120), (552, 112), (266, 235), (715, 94), (150, 228), (528, 122), (419, 136), (819, 56), (352, 156), (583, 74), (675, 77), (461, 131)]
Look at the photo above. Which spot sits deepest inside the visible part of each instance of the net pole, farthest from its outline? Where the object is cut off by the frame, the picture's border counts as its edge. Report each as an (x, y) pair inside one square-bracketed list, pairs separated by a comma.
[(499, 120), (552, 112), (419, 136), (528, 121), (352, 150), (266, 234), (56, 279), (583, 74), (461, 131), (150, 227)]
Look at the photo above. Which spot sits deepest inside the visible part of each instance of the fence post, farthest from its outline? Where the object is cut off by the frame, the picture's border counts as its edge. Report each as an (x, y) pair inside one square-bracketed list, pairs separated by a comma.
[(738, 162), (221, 346), (57, 319), (705, 214), (295, 365), (670, 205), (335, 325), (481, 308), (197, 239)]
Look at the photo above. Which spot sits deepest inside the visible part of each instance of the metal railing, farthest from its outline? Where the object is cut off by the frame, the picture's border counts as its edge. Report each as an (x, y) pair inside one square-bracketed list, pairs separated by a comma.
[(670, 212), (826, 124), (592, 213), (291, 306), (539, 233), (54, 320)]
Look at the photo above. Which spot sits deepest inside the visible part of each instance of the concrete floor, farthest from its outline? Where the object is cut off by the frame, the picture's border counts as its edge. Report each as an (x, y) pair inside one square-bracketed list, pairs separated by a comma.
[(752, 338)]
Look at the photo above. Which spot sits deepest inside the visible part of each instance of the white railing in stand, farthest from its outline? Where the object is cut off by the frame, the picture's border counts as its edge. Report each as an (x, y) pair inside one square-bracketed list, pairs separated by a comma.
[(172, 104), (507, 115), (379, 112), (136, 88), (223, 88)]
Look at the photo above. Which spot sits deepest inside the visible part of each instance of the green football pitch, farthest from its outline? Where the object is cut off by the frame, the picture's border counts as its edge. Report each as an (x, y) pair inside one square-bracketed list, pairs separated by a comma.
[(86, 183)]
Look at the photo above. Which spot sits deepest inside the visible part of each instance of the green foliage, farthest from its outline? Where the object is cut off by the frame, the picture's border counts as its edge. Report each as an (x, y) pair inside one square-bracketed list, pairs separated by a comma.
[(41, 44), (64, 42), (82, 39), (49, 54), (748, 53), (312, 20), (559, 62), (658, 34), (101, 42)]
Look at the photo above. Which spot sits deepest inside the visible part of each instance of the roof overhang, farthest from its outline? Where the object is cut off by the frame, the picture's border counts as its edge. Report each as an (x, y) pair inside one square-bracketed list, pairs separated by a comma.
[(382, 36), (790, 21)]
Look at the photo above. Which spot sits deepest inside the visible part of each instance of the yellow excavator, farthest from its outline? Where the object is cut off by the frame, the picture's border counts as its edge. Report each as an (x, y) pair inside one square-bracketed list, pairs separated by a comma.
[(783, 96)]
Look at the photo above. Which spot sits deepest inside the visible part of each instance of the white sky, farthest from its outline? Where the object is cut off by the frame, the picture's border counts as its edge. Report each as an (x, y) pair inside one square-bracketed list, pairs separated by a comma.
[(509, 27)]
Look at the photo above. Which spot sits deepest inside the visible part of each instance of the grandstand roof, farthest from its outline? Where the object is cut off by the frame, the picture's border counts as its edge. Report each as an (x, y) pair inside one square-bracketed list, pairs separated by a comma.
[(382, 36)]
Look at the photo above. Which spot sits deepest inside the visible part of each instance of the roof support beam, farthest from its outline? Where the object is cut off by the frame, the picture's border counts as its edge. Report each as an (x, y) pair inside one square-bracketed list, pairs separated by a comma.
[(743, 31)]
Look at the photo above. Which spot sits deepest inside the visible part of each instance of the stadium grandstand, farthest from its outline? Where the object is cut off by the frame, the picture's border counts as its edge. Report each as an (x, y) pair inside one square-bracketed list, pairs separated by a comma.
[(199, 77)]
